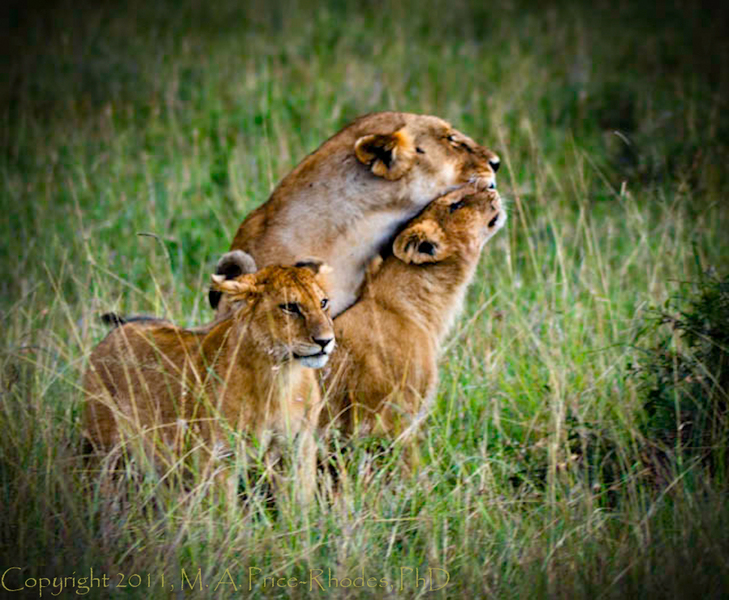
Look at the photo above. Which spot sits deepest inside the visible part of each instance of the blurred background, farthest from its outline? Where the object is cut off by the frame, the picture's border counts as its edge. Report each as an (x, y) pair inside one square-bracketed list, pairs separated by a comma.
[(578, 444)]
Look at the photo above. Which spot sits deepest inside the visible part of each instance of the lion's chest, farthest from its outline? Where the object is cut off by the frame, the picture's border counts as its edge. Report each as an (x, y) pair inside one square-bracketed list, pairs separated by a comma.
[(351, 253)]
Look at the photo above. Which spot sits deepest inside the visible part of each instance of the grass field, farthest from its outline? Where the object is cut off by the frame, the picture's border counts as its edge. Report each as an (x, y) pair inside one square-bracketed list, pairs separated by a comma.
[(134, 139)]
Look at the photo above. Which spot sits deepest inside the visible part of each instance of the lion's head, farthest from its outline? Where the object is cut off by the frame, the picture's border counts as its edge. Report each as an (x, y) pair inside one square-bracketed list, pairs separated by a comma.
[(284, 310), (460, 222), (425, 150)]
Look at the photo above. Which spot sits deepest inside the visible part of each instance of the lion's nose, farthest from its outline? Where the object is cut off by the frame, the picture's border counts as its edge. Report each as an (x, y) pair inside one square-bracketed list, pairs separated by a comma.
[(323, 342), (495, 163)]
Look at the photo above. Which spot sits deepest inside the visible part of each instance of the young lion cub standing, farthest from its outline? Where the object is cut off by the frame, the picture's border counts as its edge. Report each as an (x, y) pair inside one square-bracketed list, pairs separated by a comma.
[(347, 199), (389, 341), (174, 388)]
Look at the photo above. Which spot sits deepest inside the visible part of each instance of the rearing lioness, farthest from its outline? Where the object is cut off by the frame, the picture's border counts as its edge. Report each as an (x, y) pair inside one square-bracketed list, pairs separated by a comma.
[(172, 387), (347, 199), (385, 368)]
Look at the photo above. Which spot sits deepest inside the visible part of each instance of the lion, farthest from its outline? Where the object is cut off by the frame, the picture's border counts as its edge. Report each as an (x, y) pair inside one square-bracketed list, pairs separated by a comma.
[(384, 373), (252, 371), (347, 199)]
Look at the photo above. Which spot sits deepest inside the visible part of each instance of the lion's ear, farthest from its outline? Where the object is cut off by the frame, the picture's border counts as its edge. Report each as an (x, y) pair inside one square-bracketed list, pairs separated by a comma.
[(237, 289), (389, 156), (230, 265), (234, 263), (423, 242)]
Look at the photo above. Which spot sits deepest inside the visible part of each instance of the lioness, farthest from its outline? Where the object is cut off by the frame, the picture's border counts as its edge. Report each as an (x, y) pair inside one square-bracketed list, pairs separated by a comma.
[(389, 341), (171, 385), (347, 199)]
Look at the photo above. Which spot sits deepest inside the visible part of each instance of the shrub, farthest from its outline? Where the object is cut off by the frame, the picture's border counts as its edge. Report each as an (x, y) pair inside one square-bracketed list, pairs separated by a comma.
[(686, 372)]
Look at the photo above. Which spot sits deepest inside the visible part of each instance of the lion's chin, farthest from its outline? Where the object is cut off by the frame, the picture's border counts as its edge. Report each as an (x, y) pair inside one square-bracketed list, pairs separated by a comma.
[(315, 361)]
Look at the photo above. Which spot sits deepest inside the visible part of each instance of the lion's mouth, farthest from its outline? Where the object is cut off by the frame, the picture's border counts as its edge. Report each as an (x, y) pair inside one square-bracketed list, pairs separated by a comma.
[(298, 356), (313, 361), (496, 223)]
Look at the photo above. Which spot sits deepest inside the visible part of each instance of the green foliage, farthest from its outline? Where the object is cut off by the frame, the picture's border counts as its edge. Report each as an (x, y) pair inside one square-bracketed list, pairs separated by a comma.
[(686, 373), (134, 139)]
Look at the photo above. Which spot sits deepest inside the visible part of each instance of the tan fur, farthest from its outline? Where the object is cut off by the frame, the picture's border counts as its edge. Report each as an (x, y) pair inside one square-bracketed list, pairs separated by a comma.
[(385, 369), (347, 199), (249, 370)]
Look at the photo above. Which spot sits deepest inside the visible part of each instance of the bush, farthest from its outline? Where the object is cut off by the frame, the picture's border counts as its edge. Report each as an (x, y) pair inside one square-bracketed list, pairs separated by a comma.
[(686, 373)]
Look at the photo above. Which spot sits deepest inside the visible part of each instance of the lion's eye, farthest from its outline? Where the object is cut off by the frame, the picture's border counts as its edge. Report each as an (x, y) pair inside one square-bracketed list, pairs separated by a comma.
[(325, 303), (456, 205), (451, 138), (419, 150), (291, 308)]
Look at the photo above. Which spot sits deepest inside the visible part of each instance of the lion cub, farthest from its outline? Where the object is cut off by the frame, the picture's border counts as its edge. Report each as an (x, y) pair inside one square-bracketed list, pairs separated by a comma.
[(347, 199), (173, 387), (385, 369)]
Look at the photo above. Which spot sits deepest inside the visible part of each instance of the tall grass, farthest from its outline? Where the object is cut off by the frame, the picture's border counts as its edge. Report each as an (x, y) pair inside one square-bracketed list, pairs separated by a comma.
[(136, 138)]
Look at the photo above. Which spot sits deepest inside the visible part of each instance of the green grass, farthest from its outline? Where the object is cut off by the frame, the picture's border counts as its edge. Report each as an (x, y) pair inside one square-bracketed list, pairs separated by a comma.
[(175, 121)]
